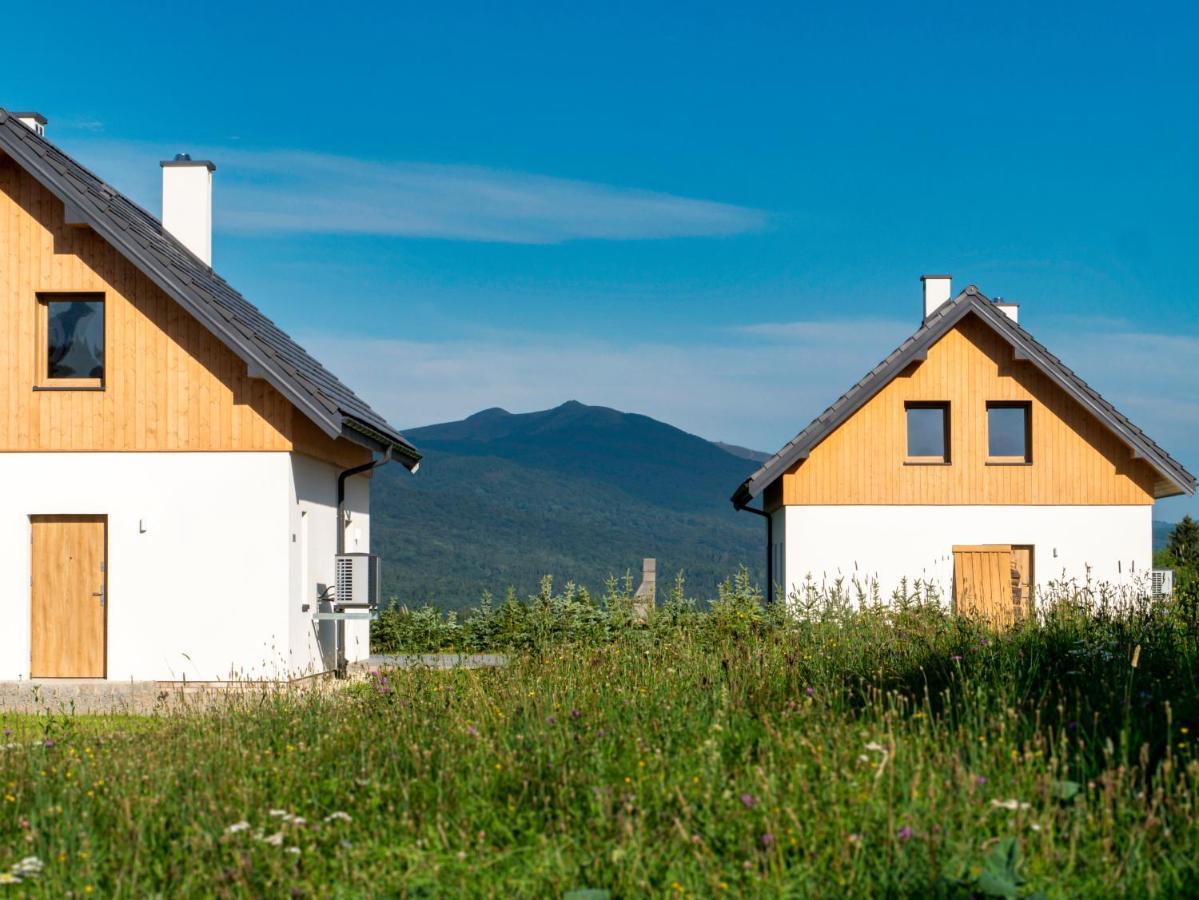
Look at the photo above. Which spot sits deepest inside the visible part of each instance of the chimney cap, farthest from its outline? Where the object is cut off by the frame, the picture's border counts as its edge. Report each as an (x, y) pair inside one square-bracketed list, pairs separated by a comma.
[(184, 159), (927, 277), (36, 116)]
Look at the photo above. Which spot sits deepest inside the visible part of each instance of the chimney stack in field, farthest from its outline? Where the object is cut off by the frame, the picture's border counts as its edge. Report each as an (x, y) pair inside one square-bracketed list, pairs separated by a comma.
[(187, 203), (937, 289), (643, 599)]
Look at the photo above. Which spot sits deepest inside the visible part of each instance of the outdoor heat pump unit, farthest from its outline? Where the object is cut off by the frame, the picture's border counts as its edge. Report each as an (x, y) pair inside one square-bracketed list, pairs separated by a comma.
[(1162, 585), (357, 580)]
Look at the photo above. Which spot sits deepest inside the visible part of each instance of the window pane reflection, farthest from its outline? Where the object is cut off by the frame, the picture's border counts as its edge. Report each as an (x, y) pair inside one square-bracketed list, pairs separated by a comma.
[(76, 338)]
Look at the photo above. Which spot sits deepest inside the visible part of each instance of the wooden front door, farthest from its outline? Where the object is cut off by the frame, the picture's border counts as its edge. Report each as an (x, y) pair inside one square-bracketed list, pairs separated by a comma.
[(68, 618)]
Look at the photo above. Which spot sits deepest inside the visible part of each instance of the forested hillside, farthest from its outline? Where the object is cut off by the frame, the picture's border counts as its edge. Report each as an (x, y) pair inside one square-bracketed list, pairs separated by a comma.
[(578, 492)]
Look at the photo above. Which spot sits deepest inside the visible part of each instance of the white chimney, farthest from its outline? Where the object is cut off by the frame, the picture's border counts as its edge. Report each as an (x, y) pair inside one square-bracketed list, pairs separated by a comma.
[(937, 289), (187, 203), (34, 121), (1011, 310)]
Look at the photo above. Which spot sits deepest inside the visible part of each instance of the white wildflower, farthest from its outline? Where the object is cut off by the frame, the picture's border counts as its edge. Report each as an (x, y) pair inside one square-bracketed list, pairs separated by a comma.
[(884, 757), (298, 820), (1012, 804), (237, 826), (275, 840), (30, 865), (863, 758), (294, 850), (277, 813), (8, 878), (339, 816)]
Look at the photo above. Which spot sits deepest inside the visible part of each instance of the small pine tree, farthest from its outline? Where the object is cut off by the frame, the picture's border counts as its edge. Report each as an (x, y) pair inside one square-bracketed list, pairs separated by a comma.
[(1183, 544)]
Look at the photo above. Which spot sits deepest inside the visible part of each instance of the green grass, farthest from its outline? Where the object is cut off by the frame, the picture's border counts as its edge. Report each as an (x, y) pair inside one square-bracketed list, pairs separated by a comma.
[(851, 753)]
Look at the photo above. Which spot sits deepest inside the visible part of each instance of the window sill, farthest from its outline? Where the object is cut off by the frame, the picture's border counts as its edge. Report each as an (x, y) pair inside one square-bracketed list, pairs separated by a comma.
[(80, 384), (931, 461), (1013, 461)]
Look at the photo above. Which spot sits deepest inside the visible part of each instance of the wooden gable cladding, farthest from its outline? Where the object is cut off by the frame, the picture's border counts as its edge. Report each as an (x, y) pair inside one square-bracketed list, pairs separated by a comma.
[(1075, 458), (169, 384)]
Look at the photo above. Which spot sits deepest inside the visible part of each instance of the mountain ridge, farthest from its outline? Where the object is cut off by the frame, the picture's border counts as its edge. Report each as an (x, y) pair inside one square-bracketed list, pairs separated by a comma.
[(578, 492)]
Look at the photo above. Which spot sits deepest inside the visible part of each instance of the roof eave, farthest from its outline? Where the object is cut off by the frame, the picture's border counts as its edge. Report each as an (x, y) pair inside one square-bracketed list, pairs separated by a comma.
[(376, 441), (742, 497)]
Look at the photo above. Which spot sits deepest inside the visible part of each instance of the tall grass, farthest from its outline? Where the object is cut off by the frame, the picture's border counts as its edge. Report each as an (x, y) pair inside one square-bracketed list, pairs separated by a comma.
[(849, 751)]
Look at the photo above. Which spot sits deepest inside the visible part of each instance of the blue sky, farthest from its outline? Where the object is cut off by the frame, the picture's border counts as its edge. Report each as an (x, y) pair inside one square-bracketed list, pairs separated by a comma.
[(713, 215)]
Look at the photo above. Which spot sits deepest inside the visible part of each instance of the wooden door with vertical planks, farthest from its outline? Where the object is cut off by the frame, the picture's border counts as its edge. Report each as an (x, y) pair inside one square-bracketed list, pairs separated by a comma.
[(982, 582), (68, 615)]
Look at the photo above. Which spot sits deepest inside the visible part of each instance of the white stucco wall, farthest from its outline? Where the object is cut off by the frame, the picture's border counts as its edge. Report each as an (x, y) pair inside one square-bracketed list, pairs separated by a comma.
[(313, 524), (889, 543), (211, 557), (197, 557)]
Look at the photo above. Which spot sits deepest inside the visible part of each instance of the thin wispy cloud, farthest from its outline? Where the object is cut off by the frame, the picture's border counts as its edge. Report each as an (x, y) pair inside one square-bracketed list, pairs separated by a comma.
[(881, 331), (1151, 377), (757, 388), (289, 192), (728, 388)]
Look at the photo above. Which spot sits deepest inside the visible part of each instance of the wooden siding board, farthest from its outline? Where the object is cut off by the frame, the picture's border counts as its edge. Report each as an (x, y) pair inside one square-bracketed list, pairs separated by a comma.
[(1075, 458), (169, 383)]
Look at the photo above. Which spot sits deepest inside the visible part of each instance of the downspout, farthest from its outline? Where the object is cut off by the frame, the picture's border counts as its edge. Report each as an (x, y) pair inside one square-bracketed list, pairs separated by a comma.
[(769, 548), (342, 664)]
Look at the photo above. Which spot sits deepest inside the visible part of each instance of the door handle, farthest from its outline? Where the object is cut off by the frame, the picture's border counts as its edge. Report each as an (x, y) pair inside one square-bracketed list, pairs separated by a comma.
[(99, 594)]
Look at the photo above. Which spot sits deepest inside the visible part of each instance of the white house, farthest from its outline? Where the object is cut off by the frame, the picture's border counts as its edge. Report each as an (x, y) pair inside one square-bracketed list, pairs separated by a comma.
[(970, 459), (176, 474)]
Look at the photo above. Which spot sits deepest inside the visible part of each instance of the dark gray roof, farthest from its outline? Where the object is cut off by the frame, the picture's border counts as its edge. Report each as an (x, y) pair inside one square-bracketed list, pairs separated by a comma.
[(1173, 478), (266, 350)]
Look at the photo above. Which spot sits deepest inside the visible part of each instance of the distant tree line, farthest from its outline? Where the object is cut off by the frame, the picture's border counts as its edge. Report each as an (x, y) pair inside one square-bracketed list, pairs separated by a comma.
[(1181, 554)]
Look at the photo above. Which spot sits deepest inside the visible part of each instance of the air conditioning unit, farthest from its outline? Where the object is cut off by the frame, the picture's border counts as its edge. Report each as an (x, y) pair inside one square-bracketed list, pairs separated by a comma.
[(357, 580), (1162, 583)]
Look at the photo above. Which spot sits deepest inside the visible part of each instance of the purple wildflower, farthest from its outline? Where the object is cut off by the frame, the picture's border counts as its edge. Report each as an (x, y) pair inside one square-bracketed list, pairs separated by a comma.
[(47, 743), (749, 801), (811, 691), (552, 720), (957, 657), (904, 833), (599, 732), (980, 780), (575, 714), (767, 839), (472, 731)]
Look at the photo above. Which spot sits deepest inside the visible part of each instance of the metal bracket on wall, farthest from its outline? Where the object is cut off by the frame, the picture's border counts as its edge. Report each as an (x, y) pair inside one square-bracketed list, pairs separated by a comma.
[(345, 617)]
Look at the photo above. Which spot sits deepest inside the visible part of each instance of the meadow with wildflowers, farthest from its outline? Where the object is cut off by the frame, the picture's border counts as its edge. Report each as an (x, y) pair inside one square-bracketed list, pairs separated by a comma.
[(848, 750)]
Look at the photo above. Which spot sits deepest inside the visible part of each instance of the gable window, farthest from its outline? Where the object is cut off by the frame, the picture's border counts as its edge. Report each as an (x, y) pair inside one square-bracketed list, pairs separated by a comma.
[(1009, 432), (928, 432), (71, 341)]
